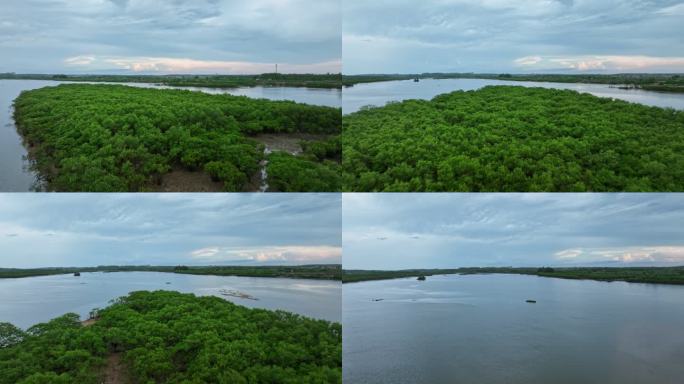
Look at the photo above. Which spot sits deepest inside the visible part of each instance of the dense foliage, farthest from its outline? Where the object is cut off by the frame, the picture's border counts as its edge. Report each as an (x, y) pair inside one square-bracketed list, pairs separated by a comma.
[(169, 337), (650, 81), (118, 138), (656, 275), (316, 271), (506, 138), (211, 81), (316, 170)]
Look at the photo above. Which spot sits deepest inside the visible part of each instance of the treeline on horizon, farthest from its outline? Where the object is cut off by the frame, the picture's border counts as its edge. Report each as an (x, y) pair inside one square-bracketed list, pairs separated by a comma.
[(314, 271), (169, 337), (655, 275), (513, 139), (660, 82), (114, 138), (210, 81)]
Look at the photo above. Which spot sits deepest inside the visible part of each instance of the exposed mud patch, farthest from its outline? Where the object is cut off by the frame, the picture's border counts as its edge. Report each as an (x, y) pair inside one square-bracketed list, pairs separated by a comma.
[(115, 371), (286, 142), (181, 180)]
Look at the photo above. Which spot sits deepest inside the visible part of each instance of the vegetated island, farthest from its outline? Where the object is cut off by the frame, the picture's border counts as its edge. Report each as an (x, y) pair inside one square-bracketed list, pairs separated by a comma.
[(659, 82), (333, 80), (513, 139), (655, 275), (314, 271), (169, 337), (113, 138)]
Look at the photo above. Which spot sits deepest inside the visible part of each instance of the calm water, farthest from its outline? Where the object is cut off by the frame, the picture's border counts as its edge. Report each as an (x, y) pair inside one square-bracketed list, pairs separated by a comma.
[(15, 173), (378, 94), (31, 300), (479, 329)]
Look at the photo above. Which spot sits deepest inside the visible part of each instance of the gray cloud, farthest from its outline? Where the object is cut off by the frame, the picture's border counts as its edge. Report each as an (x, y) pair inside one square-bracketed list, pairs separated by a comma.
[(452, 230), (51, 35), (96, 229), (394, 36)]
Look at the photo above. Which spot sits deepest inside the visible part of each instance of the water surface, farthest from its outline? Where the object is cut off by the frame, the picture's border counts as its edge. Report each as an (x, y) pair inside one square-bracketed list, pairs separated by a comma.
[(479, 329), (30, 300), (378, 94)]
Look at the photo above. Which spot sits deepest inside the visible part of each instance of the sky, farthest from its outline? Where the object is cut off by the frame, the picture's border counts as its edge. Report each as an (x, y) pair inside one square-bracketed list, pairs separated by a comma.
[(52, 230), (513, 36), (403, 231), (170, 36)]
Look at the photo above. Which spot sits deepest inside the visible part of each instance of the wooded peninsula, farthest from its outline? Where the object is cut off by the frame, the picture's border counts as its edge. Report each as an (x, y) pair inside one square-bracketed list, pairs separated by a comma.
[(115, 138), (169, 337)]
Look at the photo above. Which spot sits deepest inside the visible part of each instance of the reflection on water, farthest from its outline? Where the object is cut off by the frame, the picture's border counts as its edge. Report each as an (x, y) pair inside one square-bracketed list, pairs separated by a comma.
[(480, 329), (27, 301), (378, 94)]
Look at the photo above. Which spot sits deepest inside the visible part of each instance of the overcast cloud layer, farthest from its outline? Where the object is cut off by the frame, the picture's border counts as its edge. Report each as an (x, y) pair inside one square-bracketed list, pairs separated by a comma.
[(170, 36), (169, 229), (518, 36), (400, 231)]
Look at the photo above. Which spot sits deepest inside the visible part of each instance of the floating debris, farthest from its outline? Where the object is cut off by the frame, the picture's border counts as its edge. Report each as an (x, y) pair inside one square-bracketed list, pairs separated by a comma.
[(238, 294), (377, 299)]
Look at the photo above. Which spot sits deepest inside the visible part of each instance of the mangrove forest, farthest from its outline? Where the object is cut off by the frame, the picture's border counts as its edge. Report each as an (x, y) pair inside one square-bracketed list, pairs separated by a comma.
[(513, 139), (169, 337), (112, 138)]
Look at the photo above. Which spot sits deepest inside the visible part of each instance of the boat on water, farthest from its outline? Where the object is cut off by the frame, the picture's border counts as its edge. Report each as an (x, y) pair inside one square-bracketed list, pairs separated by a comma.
[(530, 301)]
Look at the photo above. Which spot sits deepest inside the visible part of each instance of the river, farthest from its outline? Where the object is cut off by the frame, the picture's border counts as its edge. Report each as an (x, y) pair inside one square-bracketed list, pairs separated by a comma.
[(480, 329), (378, 94), (15, 172), (30, 300)]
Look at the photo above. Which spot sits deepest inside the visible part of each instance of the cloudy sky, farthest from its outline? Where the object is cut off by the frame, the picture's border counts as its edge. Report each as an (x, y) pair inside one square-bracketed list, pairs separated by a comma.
[(399, 231), (516, 36), (169, 229), (170, 36)]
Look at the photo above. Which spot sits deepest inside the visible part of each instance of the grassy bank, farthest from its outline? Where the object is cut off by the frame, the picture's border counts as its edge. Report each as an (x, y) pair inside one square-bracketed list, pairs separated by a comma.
[(324, 272), (169, 337), (208, 81), (655, 275)]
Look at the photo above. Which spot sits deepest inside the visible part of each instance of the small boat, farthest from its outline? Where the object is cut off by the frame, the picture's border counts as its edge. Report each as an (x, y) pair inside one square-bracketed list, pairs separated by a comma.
[(77, 274), (421, 278), (378, 299), (530, 301), (416, 80)]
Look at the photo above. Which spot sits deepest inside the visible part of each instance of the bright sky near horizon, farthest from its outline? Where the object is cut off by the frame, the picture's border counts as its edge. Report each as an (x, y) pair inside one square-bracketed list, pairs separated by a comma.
[(41, 230), (401, 231), (516, 36), (170, 36)]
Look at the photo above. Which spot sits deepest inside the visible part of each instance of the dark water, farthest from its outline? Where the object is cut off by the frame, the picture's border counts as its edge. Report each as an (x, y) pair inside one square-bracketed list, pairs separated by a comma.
[(27, 301), (378, 94), (479, 329), (15, 172)]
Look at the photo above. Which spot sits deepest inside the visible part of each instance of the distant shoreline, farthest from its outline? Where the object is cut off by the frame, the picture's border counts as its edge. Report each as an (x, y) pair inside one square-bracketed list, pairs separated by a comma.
[(654, 82), (331, 272), (649, 275)]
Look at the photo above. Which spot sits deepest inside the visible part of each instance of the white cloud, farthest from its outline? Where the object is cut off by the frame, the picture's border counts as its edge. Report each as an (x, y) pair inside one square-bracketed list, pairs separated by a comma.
[(673, 10), (290, 254), (601, 63), (653, 254)]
